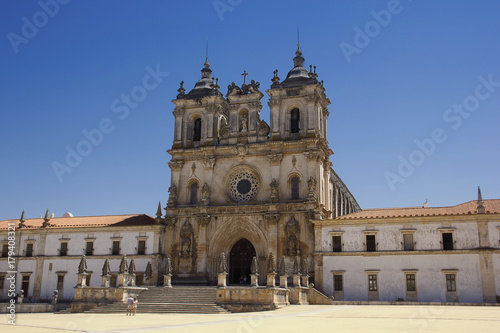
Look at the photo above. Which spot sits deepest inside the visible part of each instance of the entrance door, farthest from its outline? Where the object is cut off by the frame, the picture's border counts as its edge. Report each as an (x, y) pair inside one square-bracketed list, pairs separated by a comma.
[(240, 261)]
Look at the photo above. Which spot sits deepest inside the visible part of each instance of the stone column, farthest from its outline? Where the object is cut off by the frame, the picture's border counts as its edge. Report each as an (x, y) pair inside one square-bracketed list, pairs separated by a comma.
[(82, 279), (283, 275), (167, 276), (296, 272), (106, 281), (167, 280), (222, 276), (305, 276), (254, 277), (122, 279)]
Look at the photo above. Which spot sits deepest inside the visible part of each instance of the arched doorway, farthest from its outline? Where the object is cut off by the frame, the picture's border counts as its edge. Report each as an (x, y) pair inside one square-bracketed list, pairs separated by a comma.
[(240, 261)]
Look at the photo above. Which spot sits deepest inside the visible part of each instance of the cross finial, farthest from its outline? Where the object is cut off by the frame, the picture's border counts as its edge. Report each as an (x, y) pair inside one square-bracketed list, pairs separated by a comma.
[(244, 77)]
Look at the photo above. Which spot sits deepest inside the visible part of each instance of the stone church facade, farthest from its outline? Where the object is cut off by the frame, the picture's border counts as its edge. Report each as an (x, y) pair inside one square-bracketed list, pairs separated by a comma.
[(245, 187)]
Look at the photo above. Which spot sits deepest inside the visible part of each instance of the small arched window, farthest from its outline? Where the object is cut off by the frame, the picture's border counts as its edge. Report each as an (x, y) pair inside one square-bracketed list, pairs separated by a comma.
[(295, 121), (295, 188), (193, 195), (197, 130)]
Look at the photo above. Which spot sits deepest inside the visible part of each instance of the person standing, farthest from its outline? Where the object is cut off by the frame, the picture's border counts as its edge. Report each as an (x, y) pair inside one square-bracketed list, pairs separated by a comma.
[(135, 304), (130, 305)]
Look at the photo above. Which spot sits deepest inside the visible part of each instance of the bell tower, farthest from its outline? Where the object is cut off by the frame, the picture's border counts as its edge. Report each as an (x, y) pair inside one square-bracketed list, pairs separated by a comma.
[(298, 105), (197, 112)]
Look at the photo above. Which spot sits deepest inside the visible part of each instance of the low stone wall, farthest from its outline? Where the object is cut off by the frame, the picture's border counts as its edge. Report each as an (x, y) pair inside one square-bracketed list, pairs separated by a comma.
[(298, 295), (28, 307), (247, 299), (87, 298), (317, 298)]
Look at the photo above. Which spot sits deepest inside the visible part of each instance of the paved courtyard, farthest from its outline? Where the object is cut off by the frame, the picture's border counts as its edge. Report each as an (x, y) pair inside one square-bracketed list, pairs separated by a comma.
[(309, 318)]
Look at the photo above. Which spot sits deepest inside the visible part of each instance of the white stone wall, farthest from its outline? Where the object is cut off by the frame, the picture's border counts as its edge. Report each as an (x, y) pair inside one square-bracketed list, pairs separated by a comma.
[(430, 279), (389, 237), (47, 245), (390, 260)]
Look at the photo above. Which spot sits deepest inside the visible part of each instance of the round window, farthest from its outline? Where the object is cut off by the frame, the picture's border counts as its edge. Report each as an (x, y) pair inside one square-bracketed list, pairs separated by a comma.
[(243, 186)]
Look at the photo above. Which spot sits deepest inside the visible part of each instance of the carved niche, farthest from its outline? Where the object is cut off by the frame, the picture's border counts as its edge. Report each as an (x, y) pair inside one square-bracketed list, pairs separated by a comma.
[(186, 240), (292, 230)]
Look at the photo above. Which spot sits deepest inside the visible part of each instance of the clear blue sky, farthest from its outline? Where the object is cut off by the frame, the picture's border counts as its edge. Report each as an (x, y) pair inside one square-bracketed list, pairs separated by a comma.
[(396, 88)]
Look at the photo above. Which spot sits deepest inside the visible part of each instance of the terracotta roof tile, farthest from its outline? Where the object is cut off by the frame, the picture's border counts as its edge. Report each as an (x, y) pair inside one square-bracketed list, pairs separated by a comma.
[(86, 221), (491, 206)]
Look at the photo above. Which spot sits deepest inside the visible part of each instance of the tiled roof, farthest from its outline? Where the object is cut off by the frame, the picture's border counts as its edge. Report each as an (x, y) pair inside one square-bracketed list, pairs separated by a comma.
[(491, 206), (85, 221)]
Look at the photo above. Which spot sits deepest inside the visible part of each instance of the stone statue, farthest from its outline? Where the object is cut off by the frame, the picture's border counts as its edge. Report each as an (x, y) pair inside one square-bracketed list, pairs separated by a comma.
[(255, 266), (312, 184), (244, 124), (172, 196), (292, 245), (186, 246), (222, 263), (274, 190), (205, 194), (168, 266)]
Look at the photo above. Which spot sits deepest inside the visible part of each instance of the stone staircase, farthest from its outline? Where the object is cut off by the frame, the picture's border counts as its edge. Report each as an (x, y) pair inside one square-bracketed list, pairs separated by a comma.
[(194, 299)]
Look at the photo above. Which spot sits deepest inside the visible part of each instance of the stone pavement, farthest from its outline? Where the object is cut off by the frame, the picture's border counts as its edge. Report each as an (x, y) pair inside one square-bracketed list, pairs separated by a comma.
[(305, 318)]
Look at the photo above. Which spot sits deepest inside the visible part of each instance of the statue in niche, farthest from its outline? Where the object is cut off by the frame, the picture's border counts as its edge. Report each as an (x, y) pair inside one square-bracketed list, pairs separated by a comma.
[(292, 241), (243, 124), (186, 246), (292, 246), (312, 183), (274, 190), (172, 196), (205, 194), (186, 242)]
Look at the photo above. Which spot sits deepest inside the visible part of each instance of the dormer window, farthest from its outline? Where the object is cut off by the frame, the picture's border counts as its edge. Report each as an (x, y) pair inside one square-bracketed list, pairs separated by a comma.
[(197, 130), (295, 121)]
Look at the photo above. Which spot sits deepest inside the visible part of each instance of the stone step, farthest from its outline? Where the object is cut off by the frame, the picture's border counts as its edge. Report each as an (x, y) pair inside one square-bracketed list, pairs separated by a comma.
[(192, 299)]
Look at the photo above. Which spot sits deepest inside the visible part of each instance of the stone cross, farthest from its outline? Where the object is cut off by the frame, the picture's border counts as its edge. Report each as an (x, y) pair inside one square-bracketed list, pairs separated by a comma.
[(244, 77)]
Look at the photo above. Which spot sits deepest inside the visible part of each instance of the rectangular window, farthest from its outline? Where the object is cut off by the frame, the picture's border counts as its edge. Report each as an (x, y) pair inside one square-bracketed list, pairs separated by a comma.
[(451, 282), (116, 248), (295, 188), (5, 250), (64, 249), (25, 286), (89, 249), (337, 283), (410, 282), (447, 241), (29, 250), (408, 242), (2, 281), (371, 246), (372, 282), (141, 247), (60, 282), (337, 243)]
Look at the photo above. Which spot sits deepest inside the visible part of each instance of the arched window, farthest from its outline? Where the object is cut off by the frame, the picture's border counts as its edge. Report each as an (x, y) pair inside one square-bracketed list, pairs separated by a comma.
[(193, 195), (197, 130), (295, 188), (295, 121)]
